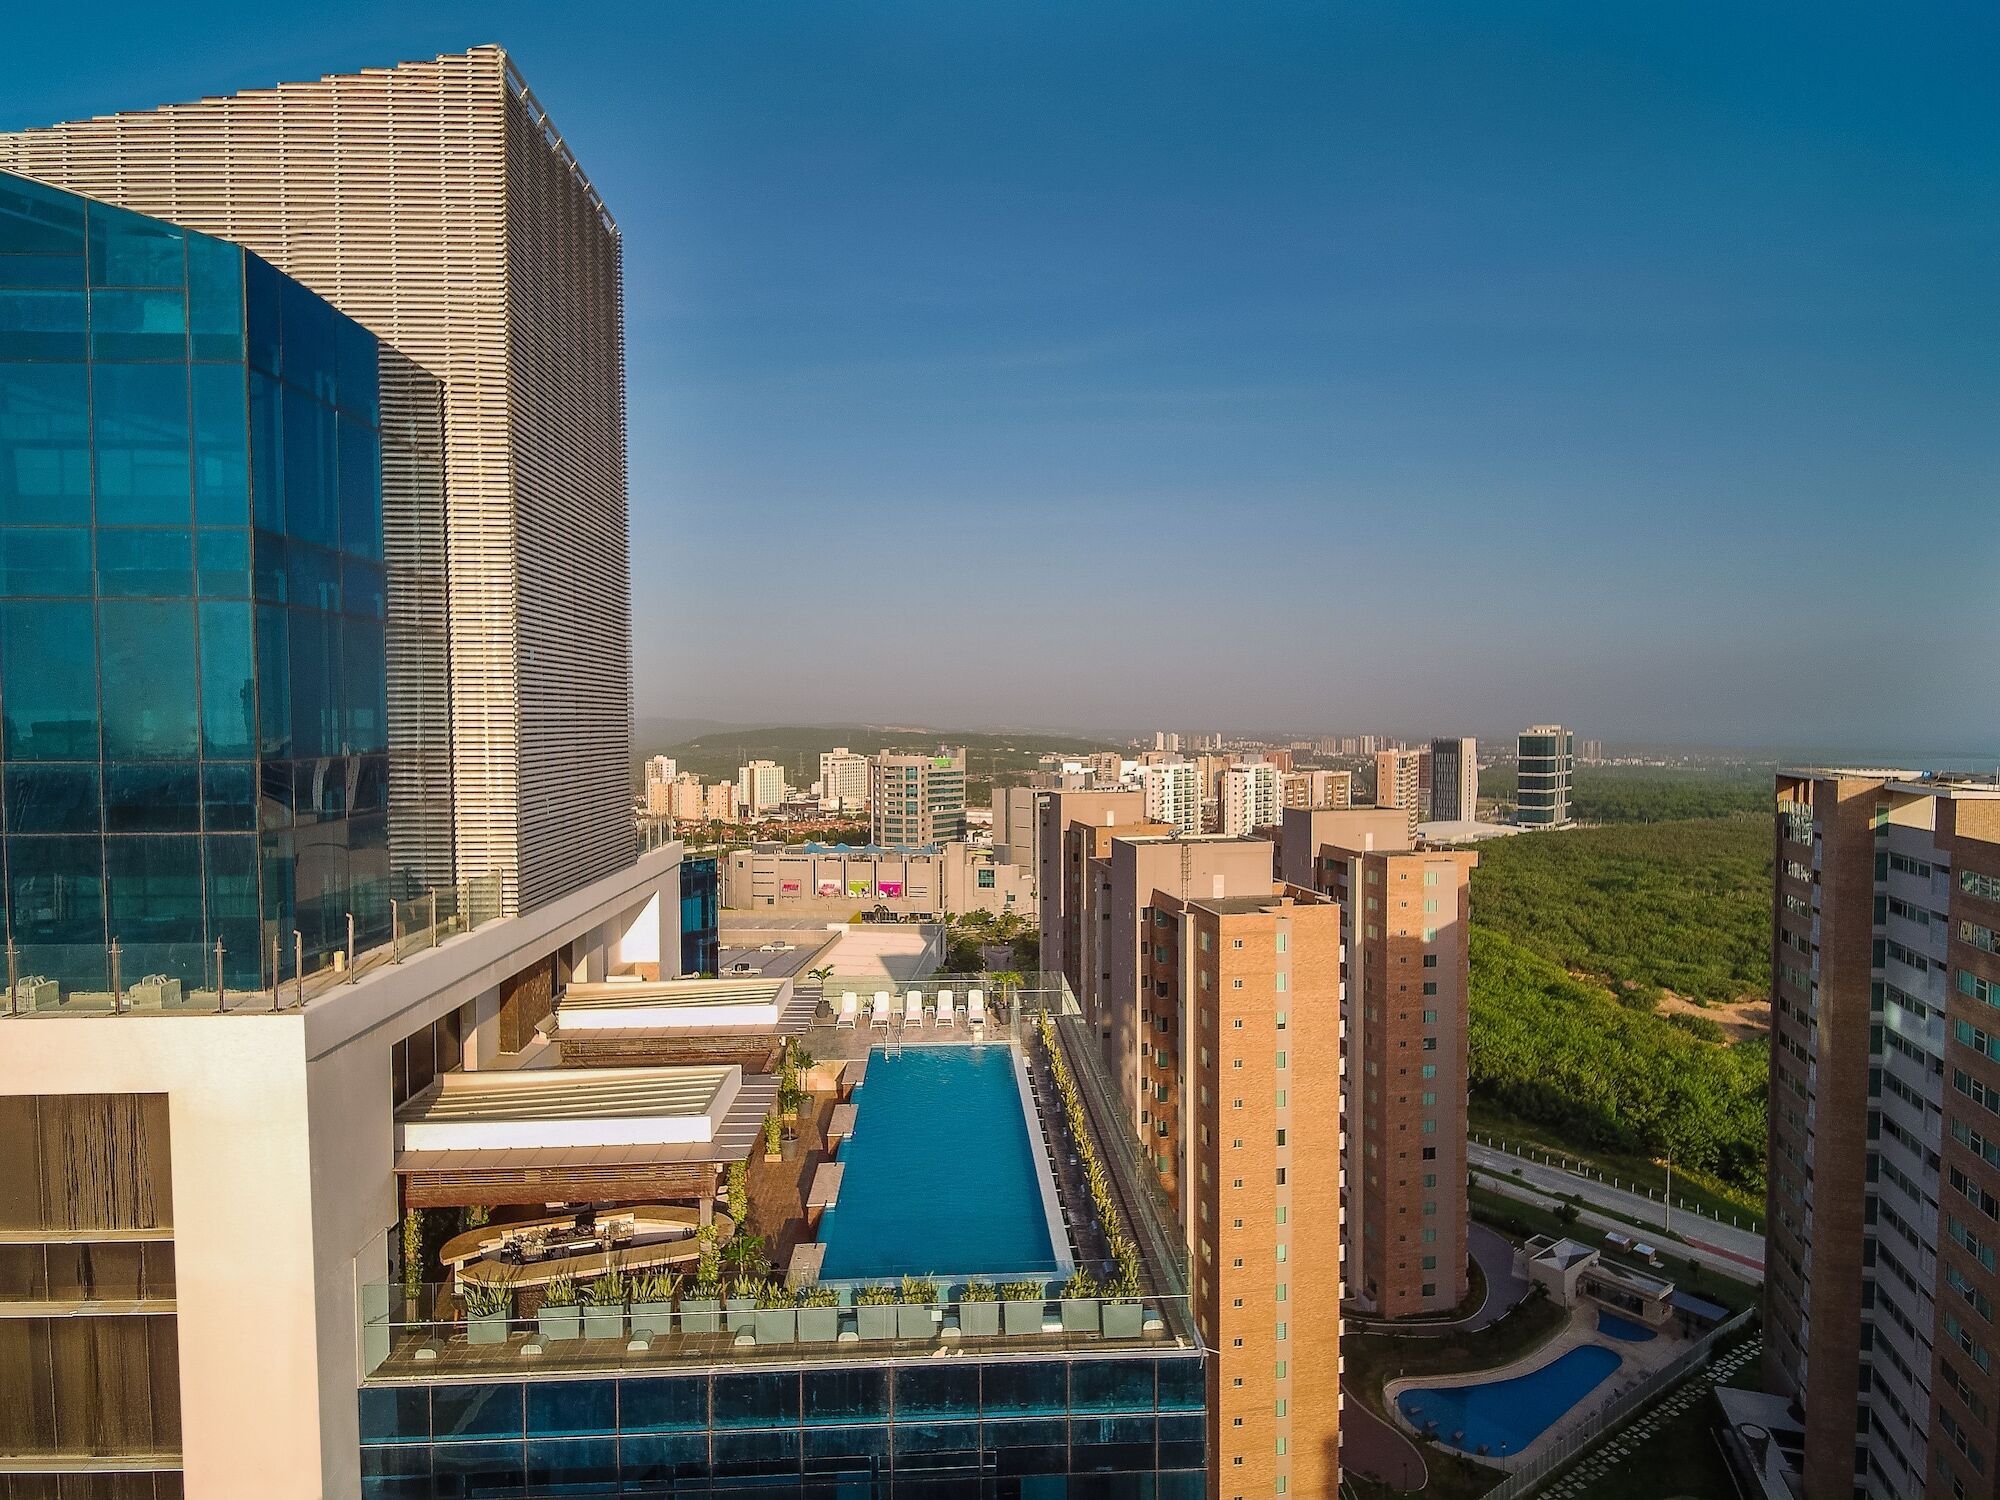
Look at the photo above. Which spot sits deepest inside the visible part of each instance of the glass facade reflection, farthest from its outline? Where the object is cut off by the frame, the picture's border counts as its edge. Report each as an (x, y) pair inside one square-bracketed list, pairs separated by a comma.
[(701, 901), (1081, 1429), (193, 742)]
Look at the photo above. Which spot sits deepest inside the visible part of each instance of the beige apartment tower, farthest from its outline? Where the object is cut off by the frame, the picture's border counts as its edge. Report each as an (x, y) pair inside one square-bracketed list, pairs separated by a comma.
[(1263, 1205), (1399, 783), (1405, 994), (435, 204)]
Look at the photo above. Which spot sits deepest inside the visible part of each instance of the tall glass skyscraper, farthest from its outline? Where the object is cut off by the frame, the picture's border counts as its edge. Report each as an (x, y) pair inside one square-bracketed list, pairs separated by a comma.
[(193, 736)]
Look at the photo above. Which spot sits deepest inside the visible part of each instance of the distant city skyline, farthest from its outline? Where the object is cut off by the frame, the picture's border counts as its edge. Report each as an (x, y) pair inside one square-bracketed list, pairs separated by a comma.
[(1630, 367)]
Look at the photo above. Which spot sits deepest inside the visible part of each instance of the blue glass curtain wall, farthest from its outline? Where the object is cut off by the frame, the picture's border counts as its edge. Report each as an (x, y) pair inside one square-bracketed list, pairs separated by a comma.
[(193, 741), (1130, 1429), (701, 901)]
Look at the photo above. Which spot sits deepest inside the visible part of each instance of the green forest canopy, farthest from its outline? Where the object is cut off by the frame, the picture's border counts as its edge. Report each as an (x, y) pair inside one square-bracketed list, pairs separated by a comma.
[(1682, 906), (1650, 794), (1561, 1052)]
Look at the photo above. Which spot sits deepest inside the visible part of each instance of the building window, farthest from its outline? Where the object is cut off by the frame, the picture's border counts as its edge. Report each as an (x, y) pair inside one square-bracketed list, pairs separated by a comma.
[(1430, 960)]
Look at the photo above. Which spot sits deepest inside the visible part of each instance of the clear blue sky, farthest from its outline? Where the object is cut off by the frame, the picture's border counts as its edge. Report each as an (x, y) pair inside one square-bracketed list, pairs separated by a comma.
[(1414, 366)]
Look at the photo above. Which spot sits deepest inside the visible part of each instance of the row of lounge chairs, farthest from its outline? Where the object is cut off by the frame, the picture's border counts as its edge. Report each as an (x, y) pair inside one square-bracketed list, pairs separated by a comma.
[(942, 1012)]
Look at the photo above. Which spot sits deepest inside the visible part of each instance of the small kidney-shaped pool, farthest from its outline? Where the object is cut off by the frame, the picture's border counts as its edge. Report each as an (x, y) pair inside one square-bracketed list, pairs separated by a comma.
[(1505, 1416)]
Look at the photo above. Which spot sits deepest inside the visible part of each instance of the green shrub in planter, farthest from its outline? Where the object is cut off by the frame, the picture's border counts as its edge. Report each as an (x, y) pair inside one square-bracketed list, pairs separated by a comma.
[(777, 1320), (915, 1299), (487, 1309), (701, 1307), (1022, 1306), (1079, 1303), (741, 1303), (560, 1318), (1124, 1313), (979, 1310), (604, 1306), (653, 1303), (819, 1315), (875, 1312)]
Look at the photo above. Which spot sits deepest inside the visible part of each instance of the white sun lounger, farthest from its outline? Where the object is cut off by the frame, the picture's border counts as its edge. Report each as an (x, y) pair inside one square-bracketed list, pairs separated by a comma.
[(975, 1007), (878, 1018), (913, 1009), (946, 1016), (850, 1006)]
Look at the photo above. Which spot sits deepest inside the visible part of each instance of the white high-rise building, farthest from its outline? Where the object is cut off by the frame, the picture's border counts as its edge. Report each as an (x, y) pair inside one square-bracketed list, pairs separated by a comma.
[(760, 786), (1546, 762), (1454, 780), (843, 780), (1252, 797), (1173, 794)]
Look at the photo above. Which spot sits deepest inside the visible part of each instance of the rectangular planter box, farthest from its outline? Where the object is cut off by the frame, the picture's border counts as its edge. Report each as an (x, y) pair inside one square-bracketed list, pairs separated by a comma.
[(913, 1321), (1023, 1317), (742, 1313), (559, 1324), (777, 1325), (1124, 1320), (650, 1319), (979, 1320), (604, 1322), (819, 1325), (1079, 1315), (486, 1328), (700, 1315), (873, 1322)]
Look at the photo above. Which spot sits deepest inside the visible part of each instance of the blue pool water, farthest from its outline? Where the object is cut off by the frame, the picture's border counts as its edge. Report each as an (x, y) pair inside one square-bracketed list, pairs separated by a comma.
[(1623, 1329), (1504, 1416), (941, 1178)]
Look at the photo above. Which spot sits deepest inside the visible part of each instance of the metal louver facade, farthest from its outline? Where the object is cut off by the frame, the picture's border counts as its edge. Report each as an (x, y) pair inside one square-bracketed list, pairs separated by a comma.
[(434, 203)]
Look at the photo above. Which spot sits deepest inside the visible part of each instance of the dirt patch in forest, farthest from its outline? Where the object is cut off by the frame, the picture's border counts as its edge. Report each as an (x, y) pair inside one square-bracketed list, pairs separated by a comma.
[(1744, 1020)]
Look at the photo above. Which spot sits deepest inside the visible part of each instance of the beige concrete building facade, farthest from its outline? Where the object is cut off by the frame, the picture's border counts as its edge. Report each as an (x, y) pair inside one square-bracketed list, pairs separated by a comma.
[(1263, 1206), (436, 205)]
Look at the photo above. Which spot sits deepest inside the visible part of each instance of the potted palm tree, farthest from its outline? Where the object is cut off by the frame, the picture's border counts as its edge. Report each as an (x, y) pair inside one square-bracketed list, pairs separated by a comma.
[(1022, 1306), (914, 1300), (777, 1318), (488, 1306), (559, 1318), (653, 1303), (604, 1305), (1079, 1303), (979, 1310), (875, 1312), (819, 1315), (819, 977)]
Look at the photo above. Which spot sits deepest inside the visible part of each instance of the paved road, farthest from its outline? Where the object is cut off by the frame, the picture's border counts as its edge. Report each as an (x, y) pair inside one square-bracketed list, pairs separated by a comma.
[(1728, 1264), (1744, 1246)]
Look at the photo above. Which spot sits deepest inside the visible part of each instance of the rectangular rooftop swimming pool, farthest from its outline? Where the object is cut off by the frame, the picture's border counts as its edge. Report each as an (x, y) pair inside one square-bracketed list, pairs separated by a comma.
[(942, 1177)]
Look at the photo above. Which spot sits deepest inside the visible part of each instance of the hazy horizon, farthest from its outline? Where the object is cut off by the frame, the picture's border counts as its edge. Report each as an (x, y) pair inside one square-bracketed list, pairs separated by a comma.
[(1632, 367)]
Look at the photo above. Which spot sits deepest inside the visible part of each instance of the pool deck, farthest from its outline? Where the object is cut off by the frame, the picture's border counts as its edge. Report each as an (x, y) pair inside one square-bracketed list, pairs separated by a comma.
[(1638, 1361)]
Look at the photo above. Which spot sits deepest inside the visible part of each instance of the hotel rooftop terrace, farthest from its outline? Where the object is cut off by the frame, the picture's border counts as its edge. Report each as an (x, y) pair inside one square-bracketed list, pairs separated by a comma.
[(563, 1158)]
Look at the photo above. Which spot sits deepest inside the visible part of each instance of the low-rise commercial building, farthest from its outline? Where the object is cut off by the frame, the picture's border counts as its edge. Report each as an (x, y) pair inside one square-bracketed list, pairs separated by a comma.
[(836, 880)]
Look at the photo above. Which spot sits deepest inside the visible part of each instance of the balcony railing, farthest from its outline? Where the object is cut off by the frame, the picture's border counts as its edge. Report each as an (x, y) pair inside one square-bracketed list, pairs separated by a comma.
[(118, 978)]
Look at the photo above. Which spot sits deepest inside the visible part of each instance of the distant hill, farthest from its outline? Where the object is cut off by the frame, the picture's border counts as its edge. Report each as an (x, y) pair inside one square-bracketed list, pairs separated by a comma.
[(990, 758)]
